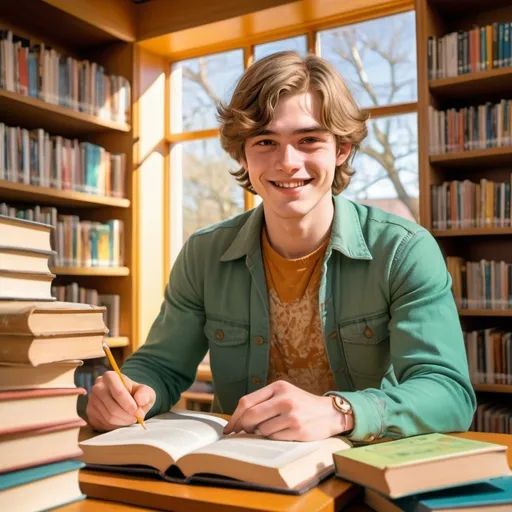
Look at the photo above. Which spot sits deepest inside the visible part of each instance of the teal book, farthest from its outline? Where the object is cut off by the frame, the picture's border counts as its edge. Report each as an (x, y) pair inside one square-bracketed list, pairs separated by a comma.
[(51, 486), (493, 495)]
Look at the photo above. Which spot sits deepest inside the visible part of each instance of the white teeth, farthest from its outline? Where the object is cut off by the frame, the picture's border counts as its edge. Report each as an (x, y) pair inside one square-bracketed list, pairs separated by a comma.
[(288, 184)]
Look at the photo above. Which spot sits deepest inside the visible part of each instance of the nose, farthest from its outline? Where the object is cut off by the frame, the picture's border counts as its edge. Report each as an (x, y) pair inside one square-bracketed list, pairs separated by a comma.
[(290, 159)]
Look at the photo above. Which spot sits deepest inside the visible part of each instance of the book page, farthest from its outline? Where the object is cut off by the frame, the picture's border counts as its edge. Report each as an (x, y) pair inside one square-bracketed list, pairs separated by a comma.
[(262, 451), (174, 433)]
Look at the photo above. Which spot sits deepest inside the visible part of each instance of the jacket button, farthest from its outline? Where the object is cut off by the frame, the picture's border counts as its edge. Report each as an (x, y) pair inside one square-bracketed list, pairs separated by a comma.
[(259, 340), (256, 380), (368, 332), (219, 334)]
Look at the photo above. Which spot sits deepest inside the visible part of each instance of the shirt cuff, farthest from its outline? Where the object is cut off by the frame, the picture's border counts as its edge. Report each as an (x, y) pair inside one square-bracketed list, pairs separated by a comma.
[(367, 415)]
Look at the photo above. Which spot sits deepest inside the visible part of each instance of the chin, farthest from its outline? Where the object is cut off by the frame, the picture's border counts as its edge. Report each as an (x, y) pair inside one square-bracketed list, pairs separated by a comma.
[(294, 210)]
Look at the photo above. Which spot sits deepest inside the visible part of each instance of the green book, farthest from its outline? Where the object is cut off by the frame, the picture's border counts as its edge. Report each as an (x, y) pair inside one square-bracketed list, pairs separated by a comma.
[(421, 463)]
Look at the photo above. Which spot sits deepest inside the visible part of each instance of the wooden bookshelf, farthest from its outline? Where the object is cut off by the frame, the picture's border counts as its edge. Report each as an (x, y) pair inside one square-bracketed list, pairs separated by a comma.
[(493, 388), (91, 271), (471, 85), (28, 112), (85, 34), (494, 157), (471, 232), (437, 18), (204, 373), (197, 397), (486, 312), (10, 191), (117, 341)]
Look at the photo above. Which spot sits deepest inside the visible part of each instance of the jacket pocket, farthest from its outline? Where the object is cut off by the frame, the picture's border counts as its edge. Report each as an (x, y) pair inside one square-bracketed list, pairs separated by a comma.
[(366, 346), (229, 350)]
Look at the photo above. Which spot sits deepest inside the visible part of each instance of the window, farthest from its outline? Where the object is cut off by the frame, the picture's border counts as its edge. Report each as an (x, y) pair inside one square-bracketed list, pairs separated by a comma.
[(210, 193), (377, 58), (298, 44), (387, 166), (199, 84)]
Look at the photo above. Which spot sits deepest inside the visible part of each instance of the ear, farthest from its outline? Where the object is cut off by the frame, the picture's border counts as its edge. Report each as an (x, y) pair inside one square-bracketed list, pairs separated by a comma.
[(343, 153)]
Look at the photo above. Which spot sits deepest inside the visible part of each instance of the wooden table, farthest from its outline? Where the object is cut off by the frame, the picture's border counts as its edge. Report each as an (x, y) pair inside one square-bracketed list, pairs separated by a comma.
[(330, 496)]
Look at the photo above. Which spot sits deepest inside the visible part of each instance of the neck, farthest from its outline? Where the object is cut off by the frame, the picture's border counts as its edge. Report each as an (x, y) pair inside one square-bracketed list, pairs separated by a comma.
[(296, 238)]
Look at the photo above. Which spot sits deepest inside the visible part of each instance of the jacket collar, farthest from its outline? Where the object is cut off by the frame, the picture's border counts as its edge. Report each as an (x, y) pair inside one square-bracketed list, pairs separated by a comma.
[(346, 234)]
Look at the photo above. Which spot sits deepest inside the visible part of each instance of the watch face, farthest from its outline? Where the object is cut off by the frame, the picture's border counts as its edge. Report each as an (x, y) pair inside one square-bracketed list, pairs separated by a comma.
[(342, 405)]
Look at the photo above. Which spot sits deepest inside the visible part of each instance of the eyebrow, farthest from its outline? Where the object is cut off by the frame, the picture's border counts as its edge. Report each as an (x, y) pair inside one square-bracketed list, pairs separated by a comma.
[(307, 129)]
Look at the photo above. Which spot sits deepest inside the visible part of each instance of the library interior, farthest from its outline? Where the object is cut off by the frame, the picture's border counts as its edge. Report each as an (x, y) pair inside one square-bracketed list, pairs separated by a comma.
[(118, 120)]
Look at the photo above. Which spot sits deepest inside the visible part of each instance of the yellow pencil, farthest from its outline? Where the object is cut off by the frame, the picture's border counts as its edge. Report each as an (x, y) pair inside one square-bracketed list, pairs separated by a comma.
[(113, 363)]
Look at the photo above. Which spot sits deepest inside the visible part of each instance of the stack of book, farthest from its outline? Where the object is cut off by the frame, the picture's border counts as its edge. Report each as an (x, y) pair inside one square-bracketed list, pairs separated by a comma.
[(430, 472), (42, 343)]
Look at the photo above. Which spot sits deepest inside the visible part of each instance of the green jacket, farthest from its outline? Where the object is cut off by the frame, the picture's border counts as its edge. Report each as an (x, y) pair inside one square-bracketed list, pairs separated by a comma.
[(390, 324)]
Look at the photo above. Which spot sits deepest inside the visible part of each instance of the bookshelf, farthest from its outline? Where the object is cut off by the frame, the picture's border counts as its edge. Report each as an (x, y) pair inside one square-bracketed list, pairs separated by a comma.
[(464, 74), (83, 37)]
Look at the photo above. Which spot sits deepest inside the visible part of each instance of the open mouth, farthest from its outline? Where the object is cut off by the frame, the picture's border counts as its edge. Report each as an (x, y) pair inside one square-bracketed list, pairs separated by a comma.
[(291, 184)]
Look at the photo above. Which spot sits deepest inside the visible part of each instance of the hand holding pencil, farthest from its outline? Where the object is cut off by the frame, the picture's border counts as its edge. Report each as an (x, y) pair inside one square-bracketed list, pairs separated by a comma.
[(116, 400)]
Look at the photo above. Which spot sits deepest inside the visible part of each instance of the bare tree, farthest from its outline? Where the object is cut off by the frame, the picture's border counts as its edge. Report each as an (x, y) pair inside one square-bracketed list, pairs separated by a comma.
[(354, 46)]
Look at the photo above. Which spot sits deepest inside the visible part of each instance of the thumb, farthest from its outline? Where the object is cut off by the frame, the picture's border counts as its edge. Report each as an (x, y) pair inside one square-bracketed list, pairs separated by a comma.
[(144, 397)]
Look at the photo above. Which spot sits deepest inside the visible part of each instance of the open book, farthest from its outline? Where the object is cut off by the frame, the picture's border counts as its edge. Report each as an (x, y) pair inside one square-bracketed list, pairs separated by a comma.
[(189, 447)]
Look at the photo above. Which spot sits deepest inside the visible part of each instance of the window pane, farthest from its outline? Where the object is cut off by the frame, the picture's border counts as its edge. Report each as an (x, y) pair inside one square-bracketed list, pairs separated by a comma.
[(377, 58), (210, 193), (199, 84), (387, 167), (298, 43)]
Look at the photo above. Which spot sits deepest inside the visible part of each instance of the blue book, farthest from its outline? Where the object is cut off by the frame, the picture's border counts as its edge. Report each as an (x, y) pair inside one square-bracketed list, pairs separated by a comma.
[(493, 495), (51, 485)]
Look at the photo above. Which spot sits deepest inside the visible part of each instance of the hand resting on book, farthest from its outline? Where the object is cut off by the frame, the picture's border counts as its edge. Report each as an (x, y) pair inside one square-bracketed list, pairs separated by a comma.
[(284, 412), (111, 406)]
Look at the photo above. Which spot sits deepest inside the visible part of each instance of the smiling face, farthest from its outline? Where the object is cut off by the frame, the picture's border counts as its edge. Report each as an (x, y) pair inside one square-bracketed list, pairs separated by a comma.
[(291, 163)]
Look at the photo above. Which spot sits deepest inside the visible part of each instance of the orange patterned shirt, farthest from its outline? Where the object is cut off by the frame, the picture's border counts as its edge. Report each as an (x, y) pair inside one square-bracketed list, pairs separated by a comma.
[(297, 349)]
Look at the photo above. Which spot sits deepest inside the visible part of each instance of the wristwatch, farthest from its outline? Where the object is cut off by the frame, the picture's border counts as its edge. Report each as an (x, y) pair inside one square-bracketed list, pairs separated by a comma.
[(341, 405)]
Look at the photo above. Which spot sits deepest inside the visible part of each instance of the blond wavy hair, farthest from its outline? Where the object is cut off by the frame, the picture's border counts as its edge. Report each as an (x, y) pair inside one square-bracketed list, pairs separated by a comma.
[(255, 98)]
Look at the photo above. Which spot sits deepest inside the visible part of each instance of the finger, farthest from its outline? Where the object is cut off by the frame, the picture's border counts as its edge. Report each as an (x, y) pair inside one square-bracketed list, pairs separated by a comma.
[(273, 425), (118, 391), (245, 403), (95, 419), (288, 434), (111, 413), (144, 397), (113, 409), (257, 415)]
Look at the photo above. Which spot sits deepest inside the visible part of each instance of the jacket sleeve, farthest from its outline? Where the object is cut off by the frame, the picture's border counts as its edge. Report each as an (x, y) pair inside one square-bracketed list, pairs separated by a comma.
[(176, 343), (434, 393)]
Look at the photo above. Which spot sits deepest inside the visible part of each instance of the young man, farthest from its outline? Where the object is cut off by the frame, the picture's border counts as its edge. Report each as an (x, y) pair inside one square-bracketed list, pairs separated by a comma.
[(322, 316)]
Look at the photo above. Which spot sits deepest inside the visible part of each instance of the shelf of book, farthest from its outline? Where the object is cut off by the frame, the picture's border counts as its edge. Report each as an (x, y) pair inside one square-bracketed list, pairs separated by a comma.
[(493, 388), (464, 72), (493, 81), (118, 341), (501, 156), (91, 271), (11, 191), (30, 112), (471, 232)]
